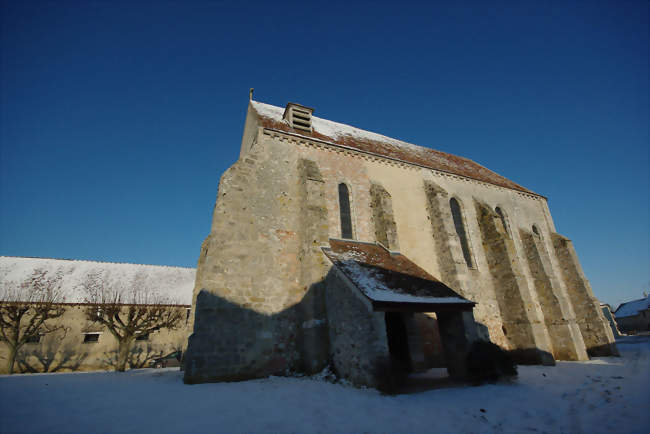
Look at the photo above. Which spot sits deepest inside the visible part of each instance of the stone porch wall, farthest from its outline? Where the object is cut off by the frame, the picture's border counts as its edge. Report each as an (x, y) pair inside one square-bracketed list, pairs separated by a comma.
[(357, 335)]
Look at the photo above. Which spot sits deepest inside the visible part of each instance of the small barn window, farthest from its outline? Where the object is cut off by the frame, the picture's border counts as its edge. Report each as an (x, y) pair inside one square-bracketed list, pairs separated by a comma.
[(142, 337), (460, 230), (344, 208), (34, 339), (91, 337), (503, 219)]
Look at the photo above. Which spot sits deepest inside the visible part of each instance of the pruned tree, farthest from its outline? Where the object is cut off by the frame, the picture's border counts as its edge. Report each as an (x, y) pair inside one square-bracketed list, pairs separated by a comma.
[(28, 311), (128, 311)]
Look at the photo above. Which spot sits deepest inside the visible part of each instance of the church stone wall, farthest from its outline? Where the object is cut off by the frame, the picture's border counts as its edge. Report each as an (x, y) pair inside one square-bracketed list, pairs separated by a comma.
[(383, 218), (597, 334), (424, 226), (567, 342), (419, 201), (520, 325), (259, 306)]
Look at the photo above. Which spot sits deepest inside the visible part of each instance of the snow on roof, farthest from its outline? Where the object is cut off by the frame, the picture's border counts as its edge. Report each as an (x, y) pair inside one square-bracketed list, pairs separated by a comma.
[(366, 141), (385, 276), (175, 284), (632, 308), (373, 284)]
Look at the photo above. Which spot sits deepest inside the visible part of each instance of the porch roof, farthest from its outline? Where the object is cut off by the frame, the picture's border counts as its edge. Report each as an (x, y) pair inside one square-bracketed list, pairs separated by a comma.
[(390, 280)]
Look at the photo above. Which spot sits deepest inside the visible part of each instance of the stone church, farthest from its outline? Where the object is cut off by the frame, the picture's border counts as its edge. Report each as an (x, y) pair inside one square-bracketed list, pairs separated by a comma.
[(334, 246)]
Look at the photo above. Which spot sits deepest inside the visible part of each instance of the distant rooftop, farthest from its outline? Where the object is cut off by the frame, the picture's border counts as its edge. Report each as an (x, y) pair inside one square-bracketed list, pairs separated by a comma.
[(175, 284), (364, 141), (632, 308)]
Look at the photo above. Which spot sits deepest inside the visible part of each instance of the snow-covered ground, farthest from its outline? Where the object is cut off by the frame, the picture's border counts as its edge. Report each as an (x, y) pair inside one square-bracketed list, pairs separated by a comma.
[(600, 396)]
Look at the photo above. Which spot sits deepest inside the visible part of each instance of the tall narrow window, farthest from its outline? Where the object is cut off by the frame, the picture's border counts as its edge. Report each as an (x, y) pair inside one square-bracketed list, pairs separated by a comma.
[(503, 219), (536, 231), (460, 230), (344, 207)]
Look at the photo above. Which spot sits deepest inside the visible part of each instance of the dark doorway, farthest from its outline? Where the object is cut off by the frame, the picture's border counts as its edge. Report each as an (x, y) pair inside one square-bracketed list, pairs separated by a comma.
[(398, 344)]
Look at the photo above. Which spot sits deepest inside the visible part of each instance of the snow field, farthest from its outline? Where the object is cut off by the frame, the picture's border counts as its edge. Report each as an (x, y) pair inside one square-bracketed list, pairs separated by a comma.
[(600, 396)]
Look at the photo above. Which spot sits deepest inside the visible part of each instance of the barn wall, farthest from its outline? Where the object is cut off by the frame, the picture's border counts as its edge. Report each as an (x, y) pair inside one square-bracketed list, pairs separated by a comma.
[(65, 350)]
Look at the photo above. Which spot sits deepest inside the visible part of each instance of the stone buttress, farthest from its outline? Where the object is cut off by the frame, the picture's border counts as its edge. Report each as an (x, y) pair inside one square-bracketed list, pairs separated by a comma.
[(259, 301), (597, 335)]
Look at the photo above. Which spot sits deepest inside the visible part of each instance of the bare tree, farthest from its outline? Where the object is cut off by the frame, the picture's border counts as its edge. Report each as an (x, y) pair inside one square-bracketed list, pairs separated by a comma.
[(27, 311), (129, 311)]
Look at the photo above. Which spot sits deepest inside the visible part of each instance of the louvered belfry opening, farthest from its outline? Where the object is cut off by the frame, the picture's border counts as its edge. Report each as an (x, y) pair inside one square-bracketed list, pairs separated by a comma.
[(298, 116)]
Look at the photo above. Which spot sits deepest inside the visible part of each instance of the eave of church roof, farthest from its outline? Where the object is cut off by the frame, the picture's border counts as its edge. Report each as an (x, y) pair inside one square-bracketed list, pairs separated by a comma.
[(365, 141)]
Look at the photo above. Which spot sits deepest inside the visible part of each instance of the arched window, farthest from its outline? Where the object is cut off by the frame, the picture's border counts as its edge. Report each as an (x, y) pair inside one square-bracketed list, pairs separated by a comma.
[(503, 219), (460, 230), (344, 208), (536, 231)]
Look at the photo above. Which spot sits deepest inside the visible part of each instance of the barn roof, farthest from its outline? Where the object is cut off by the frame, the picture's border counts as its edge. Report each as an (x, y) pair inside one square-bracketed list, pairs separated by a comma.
[(390, 279), (271, 117), (632, 308), (172, 284)]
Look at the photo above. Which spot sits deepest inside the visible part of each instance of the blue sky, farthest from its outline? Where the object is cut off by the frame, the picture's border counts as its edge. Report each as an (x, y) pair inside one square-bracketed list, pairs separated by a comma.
[(118, 118)]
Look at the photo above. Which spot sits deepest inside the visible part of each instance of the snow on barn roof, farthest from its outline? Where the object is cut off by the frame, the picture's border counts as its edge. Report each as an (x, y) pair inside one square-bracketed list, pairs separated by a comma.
[(344, 135), (632, 308), (175, 284), (387, 277)]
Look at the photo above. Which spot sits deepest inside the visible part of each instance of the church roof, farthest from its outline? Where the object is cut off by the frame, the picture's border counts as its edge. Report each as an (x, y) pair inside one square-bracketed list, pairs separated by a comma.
[(390, 280), (350, 137), (174, 285), (632, 308)]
